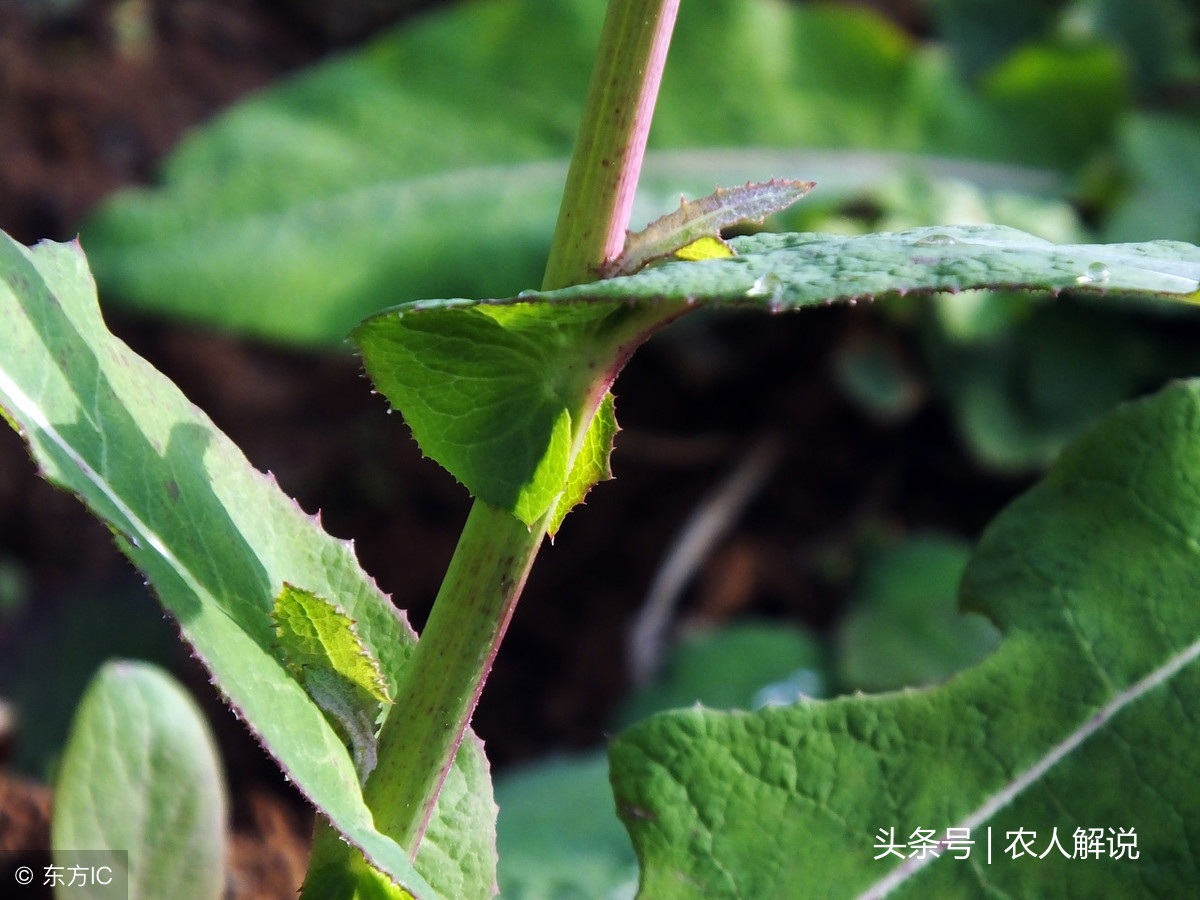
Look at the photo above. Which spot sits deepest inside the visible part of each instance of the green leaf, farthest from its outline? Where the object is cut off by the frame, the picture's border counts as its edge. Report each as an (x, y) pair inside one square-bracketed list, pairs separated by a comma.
[(739, 666), (314, 633), (591, 463), (903, 629), (431, 163), (1162, 154), (502, 395), (495, 391), (1021, 396), (1080, 719), (458, 867), (787, 271), (982, 33), (214, 537), (320, 646), (139, 788), (558, 835)]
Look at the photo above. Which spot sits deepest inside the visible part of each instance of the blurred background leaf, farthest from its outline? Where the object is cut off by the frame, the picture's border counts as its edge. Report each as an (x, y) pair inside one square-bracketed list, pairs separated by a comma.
[(430, 162)]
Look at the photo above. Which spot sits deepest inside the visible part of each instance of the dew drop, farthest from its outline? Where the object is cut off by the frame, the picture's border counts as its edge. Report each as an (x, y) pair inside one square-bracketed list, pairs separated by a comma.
[(937, 239), (769, 286), (528, 292), (1096, 273)]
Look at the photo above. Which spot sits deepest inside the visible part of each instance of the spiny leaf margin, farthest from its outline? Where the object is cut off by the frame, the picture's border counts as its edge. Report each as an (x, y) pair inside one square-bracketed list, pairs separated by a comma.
[(495, 390), (103, 424)]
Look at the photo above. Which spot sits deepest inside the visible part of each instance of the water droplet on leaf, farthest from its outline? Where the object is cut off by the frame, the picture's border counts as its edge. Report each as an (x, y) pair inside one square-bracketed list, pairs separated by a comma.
[(1096, 273), (770, 287), (937, 239)]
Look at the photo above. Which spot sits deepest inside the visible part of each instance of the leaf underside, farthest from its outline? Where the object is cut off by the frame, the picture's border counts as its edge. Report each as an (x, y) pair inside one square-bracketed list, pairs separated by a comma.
[(497, 391), (1081, 719)]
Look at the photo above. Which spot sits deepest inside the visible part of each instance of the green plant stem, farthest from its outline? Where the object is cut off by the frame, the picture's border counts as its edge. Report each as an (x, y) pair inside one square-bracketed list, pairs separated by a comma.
[(612, 140), (445, 674)]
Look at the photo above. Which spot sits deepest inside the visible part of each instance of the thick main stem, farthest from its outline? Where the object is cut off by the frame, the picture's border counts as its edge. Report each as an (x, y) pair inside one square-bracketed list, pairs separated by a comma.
[(445, 674), (446, 671), (612, 140)]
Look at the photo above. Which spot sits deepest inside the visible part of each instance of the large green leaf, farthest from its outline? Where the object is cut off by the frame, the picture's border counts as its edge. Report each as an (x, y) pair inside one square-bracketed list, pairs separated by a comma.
[(140, 790), (217, 540), (431, 163), (1081, 719), (498, 391), (902, 629)]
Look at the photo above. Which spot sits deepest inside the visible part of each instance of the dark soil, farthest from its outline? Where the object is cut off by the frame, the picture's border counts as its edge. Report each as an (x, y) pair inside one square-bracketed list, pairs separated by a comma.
[(84, 111)]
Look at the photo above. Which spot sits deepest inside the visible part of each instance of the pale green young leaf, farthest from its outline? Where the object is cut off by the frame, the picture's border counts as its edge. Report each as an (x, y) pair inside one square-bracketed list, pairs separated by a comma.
[(319, 645), (697, 220), (1081, 719), (139, 788), (315, 633), (214, 537), (591, 464)]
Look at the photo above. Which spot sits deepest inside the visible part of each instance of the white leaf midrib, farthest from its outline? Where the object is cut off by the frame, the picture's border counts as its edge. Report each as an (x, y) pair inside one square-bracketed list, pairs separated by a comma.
[(1015, 787)]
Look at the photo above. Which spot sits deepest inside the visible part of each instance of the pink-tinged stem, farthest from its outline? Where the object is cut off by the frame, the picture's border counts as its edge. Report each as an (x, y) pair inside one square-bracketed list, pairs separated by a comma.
[(612, 140), (445, 674), (443, 678)]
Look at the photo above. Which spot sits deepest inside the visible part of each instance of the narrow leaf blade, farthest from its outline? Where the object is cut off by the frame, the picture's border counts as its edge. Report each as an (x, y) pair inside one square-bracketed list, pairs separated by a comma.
[(215, 537), (786, 271)]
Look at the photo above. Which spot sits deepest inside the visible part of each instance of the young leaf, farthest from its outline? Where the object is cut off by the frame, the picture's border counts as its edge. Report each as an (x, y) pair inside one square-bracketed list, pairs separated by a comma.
[(496, 391), (214, 537), (1078, 727), (139, 788), (591, 464), (691, 231), (320, 646)]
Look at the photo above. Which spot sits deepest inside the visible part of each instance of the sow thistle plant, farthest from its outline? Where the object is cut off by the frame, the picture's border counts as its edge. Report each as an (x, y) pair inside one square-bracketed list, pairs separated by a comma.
[(1089, 576)]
